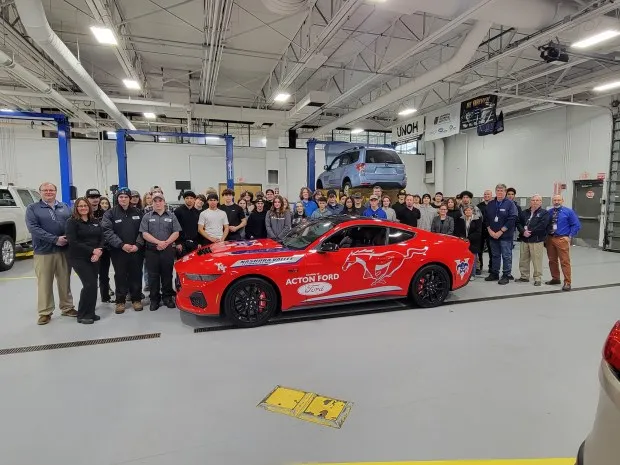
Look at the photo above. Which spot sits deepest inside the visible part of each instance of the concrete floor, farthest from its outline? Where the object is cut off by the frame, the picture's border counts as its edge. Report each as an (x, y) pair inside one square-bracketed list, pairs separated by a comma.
[(506, 378)]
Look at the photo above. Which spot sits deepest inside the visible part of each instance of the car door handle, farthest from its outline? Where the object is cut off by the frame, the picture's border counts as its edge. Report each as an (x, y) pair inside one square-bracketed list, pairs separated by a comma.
[(293, 270)]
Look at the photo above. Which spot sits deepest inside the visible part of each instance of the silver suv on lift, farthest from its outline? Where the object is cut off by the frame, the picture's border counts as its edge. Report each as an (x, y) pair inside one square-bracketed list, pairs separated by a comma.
[(14, 234)]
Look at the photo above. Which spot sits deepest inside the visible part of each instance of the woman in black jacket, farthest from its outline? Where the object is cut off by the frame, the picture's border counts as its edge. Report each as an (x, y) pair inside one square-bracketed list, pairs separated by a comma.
[(256, 227), (469, 227), (85, 239)]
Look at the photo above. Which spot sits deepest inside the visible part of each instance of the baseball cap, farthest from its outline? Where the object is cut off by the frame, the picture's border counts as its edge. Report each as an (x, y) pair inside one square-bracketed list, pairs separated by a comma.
[(158, 195), (187, 194), (402, 192), (260, 194), (212, 197), (123, 191), (135, 193), (374, 197), (331, 192), (93, 193), (357, 195)]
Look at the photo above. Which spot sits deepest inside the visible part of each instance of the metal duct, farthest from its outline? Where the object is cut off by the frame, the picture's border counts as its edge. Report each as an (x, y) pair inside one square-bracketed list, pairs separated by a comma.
[(33, 18), (22, 74), (455, 64), (285, 7)]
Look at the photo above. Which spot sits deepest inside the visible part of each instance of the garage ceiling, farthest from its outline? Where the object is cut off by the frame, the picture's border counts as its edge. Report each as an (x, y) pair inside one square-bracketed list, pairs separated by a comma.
[(172, 47)]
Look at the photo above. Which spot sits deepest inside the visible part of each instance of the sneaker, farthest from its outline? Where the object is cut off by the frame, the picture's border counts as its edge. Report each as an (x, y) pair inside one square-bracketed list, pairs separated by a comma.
[(96, 318), (72, 312), (511, 277), (85, 321), (120, 308), (553, 282), (566, 287), (472, 278), (44, 319), (137, 306), (170, 303), (154, 306), (106, 300), (537, 283), (478, 272), (505, 280), (492, 277), (523, 280)]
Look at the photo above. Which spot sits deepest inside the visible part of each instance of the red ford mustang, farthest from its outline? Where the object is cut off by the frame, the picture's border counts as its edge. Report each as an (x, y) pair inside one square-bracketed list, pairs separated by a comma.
[(325, 261)]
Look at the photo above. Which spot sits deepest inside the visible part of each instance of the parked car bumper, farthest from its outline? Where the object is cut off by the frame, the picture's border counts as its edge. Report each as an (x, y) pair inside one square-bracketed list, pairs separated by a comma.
[(383, 180)]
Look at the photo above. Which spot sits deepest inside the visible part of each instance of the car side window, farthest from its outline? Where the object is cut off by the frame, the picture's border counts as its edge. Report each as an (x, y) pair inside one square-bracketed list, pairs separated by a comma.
[(6, 199), (345, 159), (25, 197), (396, 236), (359, 236), (335, 164), (35, 195)]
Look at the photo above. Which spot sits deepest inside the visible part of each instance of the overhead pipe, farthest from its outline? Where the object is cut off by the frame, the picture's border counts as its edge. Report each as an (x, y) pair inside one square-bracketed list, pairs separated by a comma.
[(285, 7), (35, 22), (19, 72), (463, 56)]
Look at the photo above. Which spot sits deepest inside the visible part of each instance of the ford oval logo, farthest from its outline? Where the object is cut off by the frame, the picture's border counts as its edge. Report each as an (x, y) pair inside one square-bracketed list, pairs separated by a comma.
[(314, 289)]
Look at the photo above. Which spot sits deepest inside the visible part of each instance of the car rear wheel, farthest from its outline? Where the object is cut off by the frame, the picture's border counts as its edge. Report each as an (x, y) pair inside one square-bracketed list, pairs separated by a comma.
[(319, 185), (7, 253), (346, 188), (250, 302), (430, 286)]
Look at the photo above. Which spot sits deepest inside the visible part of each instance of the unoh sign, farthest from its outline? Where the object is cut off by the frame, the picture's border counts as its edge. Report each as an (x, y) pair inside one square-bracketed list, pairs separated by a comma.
[(408, 130)]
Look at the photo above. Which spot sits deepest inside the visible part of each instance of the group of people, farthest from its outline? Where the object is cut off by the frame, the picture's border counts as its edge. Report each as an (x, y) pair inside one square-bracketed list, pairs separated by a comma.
[(142, 236)]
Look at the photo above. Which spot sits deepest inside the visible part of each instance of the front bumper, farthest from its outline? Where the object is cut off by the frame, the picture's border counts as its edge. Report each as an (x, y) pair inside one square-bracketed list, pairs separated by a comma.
[(197, 298)]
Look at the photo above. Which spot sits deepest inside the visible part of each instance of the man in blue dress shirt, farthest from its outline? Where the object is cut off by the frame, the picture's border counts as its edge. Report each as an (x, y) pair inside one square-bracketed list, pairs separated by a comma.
[(563, 226)]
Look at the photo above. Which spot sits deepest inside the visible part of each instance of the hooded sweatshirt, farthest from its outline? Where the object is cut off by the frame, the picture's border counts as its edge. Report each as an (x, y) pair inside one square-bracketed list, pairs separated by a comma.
[(427, 213)]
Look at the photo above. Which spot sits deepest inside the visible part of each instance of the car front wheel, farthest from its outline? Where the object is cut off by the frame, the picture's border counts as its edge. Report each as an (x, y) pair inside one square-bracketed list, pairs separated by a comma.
[(250, 302), (7, 253), (430, 286)]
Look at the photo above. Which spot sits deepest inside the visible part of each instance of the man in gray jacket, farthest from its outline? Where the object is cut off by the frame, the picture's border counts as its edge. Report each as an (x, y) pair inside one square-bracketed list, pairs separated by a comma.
[(46, 221)]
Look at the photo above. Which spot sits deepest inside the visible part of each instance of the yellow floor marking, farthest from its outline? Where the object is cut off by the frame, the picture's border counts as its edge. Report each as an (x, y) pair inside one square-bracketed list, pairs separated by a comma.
[(467, 462), (307, 406), (18, 277)]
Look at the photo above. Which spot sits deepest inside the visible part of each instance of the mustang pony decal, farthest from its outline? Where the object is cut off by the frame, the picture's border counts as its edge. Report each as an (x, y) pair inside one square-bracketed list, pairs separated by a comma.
[(380, 266)]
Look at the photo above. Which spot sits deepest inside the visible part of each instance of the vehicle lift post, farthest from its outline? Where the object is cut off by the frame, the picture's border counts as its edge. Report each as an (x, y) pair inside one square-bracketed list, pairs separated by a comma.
[(311, 156), (64, 145), (121, 151)]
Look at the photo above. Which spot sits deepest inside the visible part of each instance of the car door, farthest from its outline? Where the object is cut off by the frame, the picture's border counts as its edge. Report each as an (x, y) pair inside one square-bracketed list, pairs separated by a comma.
[(331, 173), (363, 265)]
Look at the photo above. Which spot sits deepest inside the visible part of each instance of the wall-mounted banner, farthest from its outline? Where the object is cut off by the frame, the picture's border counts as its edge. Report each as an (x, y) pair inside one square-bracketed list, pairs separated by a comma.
[(411, 129), (443, 123), (478, 111)]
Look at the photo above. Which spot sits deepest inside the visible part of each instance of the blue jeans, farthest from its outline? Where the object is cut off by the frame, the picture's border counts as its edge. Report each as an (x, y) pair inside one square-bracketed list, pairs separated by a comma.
[(501, 250)]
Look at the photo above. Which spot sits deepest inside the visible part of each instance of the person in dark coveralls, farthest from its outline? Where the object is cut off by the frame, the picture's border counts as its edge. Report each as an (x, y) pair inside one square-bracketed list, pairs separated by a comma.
[(188, 216), (94, 198), (501, 219), (121, 230), (160, 228)]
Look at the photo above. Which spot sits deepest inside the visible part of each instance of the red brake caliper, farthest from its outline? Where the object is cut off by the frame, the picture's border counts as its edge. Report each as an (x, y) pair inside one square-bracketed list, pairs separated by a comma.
[(421, 286), (262, 302)]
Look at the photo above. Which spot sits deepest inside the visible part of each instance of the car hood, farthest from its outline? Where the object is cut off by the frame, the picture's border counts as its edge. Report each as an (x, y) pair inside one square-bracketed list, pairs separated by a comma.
[(221, 256)]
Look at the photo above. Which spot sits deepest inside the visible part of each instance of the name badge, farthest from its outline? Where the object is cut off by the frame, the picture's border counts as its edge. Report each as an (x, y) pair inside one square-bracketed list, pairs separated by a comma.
[(496, 219), (555, 227), (118, 221), (502, 209), (167, 220), (152, 221), (135, 217)]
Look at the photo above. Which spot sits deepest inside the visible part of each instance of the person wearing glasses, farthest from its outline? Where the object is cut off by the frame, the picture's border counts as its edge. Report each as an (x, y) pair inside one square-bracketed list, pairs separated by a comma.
[(46, 220)]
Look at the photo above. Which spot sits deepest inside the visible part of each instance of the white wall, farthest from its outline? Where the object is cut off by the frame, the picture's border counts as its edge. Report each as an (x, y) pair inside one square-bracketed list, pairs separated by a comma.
[(534, 152), (95, 165)]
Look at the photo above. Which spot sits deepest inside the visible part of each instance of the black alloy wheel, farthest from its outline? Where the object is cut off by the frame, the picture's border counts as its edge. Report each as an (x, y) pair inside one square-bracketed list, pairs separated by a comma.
[(250, 302), (430, 286)]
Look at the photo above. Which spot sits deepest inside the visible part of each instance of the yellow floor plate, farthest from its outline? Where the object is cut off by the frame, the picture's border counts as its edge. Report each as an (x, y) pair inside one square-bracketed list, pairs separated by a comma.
[(307, 406), (466, 462)]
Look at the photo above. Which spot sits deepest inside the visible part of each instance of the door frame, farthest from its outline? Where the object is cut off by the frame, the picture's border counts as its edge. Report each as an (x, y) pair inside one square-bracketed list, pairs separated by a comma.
[(600, 215)]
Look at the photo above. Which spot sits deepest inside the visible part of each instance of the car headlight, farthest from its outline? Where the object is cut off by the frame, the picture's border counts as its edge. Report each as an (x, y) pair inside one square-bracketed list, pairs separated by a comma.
[(202, 277)]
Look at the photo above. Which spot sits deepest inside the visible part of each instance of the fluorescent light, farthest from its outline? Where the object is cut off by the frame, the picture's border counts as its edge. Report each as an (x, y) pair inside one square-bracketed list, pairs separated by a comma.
[(407, 112), (104, 35), (357, 131), (131, 84), (596, 39), (212, 138), (608, 86), (150, 115), (282, 97), (7, 110)]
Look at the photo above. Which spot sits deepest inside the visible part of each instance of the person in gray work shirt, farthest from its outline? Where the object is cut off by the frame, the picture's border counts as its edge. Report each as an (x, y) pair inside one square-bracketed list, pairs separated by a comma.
[(160, 228)]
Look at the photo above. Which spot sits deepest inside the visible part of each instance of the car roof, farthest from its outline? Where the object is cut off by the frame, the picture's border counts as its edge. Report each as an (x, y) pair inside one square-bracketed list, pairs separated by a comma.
[(338, 220)]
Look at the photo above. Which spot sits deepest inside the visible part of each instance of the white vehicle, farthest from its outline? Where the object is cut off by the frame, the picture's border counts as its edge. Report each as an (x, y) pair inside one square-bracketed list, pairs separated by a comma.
[(602, 446), (13, 230)]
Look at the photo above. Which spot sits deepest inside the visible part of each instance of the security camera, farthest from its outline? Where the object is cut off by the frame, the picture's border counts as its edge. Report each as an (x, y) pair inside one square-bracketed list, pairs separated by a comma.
[(553, 52)]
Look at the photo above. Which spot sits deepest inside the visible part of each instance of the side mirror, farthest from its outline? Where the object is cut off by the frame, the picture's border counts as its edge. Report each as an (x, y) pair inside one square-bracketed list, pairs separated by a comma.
[(328, 247), (326, 168)]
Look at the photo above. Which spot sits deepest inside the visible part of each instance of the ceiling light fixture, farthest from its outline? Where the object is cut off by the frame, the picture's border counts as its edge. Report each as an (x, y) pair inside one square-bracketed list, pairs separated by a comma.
[(104, 35), (608, 86), (264, 140), (282, 97), (357, 131), (407, 112), (7, 110), (596, 39), (131, 84), (150, 115)]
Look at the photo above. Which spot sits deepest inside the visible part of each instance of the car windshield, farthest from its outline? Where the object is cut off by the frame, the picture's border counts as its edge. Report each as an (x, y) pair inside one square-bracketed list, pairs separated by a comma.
[(305, 234)]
